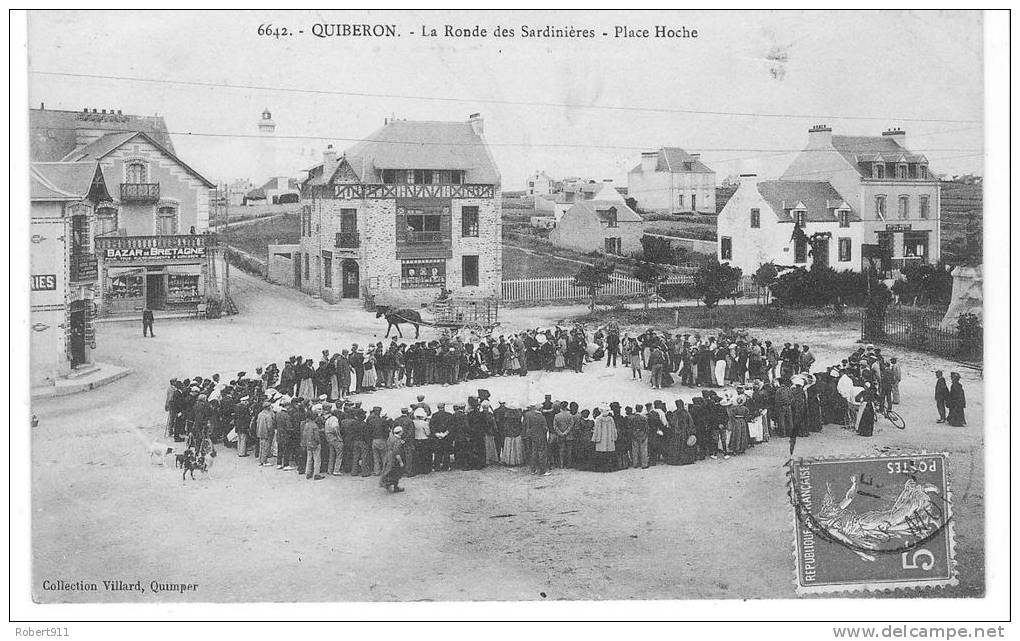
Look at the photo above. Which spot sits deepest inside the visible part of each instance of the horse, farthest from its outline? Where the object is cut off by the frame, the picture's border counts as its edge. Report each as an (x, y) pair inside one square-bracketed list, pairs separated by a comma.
[(396, 316)]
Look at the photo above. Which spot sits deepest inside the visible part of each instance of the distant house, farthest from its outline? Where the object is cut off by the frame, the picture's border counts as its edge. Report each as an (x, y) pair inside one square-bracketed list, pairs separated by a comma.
[(276, 191), (540, 184), (608, 226), (672, 181), (757, 225)]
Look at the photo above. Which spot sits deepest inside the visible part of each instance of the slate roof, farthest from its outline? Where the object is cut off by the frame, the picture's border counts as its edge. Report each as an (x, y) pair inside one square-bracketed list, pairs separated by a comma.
[(61, 180), (410, 144), (53, 130), (859, 149), (108, 143), (624, 214), (675, 159), (819, 198)]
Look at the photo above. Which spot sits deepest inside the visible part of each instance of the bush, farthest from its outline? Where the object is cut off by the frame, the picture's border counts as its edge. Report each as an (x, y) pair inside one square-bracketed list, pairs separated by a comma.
[(716, 281), (924, 284), (971, 333), (820, 286)]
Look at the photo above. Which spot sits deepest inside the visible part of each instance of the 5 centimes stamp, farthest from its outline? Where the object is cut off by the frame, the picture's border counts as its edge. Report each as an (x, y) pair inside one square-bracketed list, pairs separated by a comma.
[(872, 522)]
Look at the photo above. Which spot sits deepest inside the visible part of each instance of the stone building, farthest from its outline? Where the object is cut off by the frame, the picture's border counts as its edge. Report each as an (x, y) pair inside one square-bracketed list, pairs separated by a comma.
[(855, 196), (150, 236), (672, 181), (63, 270), (410, 210), (605, 224), (540, 184)]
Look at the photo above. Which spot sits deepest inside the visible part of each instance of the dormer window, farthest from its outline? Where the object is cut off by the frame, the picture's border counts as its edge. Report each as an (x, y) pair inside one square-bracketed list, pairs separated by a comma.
[(844, 217), (610, 217), (922, 172), (798, 217), (878, 170), (901, 171)]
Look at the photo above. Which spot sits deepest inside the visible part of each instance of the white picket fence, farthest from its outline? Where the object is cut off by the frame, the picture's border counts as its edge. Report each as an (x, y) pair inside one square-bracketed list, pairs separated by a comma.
[(562, 288)]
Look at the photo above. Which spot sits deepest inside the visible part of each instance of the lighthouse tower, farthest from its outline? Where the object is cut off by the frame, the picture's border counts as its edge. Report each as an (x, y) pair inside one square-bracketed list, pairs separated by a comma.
[(265, 157)]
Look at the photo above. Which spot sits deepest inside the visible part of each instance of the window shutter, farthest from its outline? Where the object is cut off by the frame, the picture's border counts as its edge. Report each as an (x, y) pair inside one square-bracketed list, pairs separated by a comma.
[(445, 223), (401, 225)]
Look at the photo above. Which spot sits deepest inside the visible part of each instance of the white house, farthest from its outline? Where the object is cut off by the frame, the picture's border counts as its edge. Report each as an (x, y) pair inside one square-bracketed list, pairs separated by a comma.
[(890, 194), (672, 181), (756, 225), (540, 184)]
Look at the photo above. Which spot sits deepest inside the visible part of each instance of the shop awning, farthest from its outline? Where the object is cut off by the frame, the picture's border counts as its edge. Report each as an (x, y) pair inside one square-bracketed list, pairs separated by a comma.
[(125, 271)]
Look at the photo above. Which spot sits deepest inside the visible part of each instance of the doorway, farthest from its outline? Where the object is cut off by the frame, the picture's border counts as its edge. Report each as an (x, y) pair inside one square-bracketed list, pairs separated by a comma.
[(821, 252), (297, 270), (155, 291), (352, 278), (79, 322)]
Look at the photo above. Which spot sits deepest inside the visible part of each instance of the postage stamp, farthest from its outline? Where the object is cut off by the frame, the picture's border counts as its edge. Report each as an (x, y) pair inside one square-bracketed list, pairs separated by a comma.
[(872, 523)]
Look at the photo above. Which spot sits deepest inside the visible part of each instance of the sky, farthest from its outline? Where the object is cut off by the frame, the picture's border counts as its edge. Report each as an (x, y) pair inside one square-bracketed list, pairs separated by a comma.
[(603, 99)]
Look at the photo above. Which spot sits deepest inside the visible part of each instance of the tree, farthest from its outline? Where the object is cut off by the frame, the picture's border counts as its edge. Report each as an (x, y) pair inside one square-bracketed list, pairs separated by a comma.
[(651, 276), (715, 281), (763, 278), (593, 278)]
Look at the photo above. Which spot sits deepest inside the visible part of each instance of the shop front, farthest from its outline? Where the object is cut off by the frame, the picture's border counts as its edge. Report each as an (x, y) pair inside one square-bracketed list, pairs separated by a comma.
[(161, 278)]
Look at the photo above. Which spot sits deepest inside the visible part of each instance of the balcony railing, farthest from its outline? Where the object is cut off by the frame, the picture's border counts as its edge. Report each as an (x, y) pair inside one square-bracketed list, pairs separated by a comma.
[(162, 242), (83, 267), (139, 192), (424, 237), (372, 191), (348, 240)]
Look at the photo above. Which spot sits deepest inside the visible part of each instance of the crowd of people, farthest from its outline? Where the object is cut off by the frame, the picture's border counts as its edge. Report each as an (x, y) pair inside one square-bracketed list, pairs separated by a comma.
[(306, 419)]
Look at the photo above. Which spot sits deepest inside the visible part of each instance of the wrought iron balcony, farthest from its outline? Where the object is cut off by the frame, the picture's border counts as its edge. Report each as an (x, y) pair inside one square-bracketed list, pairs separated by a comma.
[(162, 242), (424, 237), (139, 192), (348, 240), (83, 267)]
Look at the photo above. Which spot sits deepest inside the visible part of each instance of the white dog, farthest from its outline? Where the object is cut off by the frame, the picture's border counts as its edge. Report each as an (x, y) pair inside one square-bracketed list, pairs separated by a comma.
[(158, 453)]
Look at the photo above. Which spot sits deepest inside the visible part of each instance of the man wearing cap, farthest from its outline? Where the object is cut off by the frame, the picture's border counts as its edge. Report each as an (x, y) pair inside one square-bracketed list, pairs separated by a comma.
[(265, 428), (941, 395), (538, 436), (334, 440), (242, 421), (393, 462), (897, 375), (422, 442), (311, 443), (406, 425), (379, 429), (442, 442)]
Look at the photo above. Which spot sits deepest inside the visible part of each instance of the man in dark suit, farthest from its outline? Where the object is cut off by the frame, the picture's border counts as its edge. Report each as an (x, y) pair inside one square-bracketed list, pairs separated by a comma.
[(147, 319), (941, 395)]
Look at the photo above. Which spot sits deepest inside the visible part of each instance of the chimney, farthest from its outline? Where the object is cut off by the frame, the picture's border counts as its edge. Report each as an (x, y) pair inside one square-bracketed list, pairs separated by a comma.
[(477, 123), (896, 134), (820, 137), (695, 157), (748, 179), (649, 160), (329, 161), (607, 180)]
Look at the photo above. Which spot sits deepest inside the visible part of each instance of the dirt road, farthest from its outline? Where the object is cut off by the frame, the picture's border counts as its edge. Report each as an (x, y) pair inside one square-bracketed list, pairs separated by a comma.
[(717, 529)]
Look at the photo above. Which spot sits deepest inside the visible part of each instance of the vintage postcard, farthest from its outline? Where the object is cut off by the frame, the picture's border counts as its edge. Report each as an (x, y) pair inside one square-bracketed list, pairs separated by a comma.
[(440, 306)]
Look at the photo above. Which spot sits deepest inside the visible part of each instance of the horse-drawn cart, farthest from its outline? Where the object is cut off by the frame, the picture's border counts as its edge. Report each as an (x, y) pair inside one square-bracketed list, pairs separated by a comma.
[(464, 317)]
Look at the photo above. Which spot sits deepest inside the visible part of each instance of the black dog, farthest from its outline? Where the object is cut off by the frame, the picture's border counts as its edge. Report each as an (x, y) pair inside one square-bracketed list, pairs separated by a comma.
[(180, 461), (190, 463)]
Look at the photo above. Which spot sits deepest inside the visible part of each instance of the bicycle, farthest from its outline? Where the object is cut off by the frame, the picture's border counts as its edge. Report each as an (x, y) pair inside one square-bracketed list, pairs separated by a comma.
[(894, 418)]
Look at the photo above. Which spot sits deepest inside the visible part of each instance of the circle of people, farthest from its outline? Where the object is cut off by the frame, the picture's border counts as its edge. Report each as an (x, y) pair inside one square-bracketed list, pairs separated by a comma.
[(306, 419)]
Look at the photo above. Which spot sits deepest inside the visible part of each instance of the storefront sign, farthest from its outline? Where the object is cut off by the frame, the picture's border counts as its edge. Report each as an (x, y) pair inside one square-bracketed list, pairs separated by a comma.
[(153, 253), (44, 282), (898, 227)]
